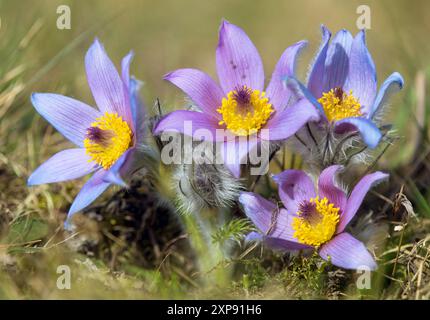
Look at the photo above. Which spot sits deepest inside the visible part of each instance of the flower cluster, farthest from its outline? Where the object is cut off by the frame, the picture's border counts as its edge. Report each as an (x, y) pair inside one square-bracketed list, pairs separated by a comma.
[(109, 140), (337, 111)]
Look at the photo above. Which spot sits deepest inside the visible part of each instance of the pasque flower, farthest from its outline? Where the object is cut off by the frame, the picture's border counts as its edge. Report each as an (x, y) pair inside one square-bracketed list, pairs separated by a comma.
[(108, 138), (238, 104), (204, 186), (342, 85), (312, 217)]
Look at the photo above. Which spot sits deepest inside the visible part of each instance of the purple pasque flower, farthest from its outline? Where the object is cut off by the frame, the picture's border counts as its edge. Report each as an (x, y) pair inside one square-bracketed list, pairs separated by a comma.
[(312, 217), (238, 104), (342, 85), (107, 138)]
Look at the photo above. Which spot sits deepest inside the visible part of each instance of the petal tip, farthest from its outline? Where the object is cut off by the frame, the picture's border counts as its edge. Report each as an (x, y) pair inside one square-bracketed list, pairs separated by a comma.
[(236, 172), (301, 44), (72, 211), (68, 226), (373, 266), (222, 32), (97, 42), (115, 178), (95, 49), (370, 264), (336, 167), (253, 237), (225, 30), (342, 33), (381, 176), (30, 181), (96, 45), (372, 143), (325, 31), (168, 76), (224, 23), (156, 130), (275, 178), (34, 98), (400, 79), (362, 35), (244, 196)]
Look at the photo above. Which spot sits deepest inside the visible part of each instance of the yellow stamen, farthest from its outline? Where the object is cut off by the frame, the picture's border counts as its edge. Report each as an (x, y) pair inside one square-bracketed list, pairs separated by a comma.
[(107, 139), (318, 225), (338, 105), (245, 111)]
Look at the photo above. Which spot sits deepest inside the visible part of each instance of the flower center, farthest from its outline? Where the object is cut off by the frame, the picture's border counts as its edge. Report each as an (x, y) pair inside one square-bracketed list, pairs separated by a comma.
[(245, 111), (338, 105), (107, 139), (316, 222)]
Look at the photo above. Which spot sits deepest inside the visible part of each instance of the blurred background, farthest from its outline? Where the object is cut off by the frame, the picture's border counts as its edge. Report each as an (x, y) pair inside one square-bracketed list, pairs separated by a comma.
[(165, 35)]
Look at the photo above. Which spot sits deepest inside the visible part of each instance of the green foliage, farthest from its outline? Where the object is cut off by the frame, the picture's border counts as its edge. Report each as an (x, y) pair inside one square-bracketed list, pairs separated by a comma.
[(25, 230), (307, 272), (254, 277)]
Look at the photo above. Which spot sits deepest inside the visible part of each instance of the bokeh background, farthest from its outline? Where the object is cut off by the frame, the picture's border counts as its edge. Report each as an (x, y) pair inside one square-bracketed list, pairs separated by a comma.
[(165, 35)]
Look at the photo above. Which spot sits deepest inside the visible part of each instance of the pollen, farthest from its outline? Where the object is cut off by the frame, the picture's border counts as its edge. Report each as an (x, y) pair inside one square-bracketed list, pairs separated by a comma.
[(107, 139), (245, 111), (316, 222), (339, 105)]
